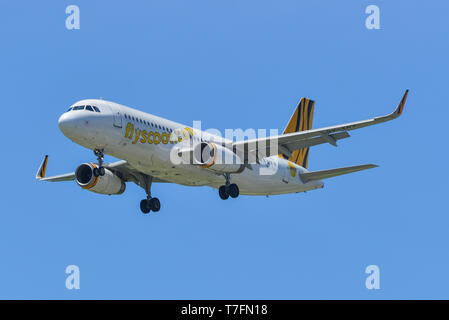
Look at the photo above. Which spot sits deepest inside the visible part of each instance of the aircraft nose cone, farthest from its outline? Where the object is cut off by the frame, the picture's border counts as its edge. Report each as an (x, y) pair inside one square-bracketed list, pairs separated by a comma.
[(67, 124)]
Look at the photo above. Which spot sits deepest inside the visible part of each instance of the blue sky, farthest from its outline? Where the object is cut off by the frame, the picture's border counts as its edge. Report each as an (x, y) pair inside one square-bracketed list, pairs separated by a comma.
[(231, 64)]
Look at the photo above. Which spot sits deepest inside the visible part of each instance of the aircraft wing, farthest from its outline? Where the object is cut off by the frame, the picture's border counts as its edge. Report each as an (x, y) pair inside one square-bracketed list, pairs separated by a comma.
[(287, 143), (121, 168)]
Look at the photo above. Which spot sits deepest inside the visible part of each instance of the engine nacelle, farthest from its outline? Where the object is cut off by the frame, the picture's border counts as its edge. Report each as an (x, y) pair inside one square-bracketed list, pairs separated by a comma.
[(217, 158), (107, 184)]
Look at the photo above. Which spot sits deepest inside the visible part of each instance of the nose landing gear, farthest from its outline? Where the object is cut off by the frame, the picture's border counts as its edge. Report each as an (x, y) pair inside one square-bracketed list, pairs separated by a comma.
[(229, 189), (100, 156)]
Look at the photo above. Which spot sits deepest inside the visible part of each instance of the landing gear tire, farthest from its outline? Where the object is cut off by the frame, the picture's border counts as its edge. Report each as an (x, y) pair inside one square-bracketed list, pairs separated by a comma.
[(233, 190), (100, 170), (223, 193), (145, 206), (155, 204), (152, 204)]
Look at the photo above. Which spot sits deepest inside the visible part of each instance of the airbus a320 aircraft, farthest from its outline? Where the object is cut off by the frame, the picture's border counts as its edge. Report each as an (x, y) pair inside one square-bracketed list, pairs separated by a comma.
[(147, 144)]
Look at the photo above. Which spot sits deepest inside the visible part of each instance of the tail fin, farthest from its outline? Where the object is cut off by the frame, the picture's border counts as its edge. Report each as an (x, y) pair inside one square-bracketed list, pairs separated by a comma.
[(301, 120)]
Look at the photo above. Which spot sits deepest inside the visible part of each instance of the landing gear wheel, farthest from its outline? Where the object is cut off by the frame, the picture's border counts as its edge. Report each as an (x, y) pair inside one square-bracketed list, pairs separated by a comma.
[(101, 171), (145, 206), (96, 172), (150, 204), (233, 190), (155, 204), (223, 193)]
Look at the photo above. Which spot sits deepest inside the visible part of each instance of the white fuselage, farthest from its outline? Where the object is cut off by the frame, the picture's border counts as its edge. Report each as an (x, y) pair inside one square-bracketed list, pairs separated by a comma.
[(145, 142)]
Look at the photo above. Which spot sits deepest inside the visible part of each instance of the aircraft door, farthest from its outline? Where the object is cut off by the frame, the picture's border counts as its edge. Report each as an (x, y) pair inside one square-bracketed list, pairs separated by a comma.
[(117, 119)]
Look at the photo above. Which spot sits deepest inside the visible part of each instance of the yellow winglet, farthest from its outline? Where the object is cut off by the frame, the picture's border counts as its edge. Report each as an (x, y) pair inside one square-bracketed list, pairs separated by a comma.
[(401, 104), (41, 172)]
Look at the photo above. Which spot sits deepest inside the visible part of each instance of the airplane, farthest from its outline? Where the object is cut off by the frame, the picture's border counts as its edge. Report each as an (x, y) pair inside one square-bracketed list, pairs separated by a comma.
[(148, 145)]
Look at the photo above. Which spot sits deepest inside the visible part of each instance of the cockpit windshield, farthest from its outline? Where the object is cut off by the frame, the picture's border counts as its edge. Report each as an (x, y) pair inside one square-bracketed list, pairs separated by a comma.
[(88, 108)]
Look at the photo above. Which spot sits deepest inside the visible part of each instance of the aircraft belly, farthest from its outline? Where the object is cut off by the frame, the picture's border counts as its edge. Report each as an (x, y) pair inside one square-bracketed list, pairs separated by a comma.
[(251, 184)]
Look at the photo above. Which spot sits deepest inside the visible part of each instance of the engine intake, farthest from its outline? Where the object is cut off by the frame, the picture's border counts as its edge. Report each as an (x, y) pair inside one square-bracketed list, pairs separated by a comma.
[(217, 158), (107, 184)]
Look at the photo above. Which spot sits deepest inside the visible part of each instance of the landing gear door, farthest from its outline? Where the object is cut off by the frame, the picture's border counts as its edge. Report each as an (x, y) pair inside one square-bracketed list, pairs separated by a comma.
[(117, 119)]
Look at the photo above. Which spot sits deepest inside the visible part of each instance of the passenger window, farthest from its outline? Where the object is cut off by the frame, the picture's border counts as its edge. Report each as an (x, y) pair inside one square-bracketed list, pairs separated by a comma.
[(96, 109), (89, 108)]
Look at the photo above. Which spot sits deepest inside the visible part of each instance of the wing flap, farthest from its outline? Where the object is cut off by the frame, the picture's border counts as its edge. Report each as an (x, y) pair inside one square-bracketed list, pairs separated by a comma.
[(331, 138)]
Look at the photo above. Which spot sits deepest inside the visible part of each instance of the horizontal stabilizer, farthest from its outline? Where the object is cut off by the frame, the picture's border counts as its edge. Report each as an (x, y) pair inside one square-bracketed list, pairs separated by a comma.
[(324, 174)]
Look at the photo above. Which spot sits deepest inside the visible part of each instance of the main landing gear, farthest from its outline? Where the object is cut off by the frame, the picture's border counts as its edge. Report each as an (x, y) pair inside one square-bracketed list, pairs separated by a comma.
[(149, 204), (229, 189), (100, 156)]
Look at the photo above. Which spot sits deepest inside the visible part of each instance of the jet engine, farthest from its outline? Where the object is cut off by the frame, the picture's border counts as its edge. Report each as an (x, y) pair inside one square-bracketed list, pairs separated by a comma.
[(109, 183), (217, 158)]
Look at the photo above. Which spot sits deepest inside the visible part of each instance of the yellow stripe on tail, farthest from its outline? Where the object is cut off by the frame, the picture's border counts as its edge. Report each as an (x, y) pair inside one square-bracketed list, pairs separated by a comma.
[(301, 120), (41, 172)]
